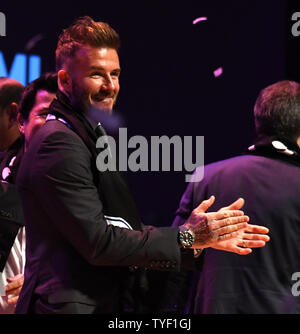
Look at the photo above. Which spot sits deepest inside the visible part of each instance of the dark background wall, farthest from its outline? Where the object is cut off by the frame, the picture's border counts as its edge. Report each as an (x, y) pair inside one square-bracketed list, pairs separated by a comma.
[(167, 82)]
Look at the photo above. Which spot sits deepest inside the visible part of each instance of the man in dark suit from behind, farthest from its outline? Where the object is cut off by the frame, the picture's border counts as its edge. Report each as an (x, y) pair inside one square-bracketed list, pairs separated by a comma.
[(267, 176)]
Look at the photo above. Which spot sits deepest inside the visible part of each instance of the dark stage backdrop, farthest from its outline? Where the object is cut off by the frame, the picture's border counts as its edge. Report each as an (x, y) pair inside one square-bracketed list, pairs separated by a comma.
[(168, 86)]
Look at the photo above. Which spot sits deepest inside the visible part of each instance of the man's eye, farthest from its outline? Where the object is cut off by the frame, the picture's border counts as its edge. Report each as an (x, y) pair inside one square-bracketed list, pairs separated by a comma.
[(43, 114), (96, 74), (115, 74)]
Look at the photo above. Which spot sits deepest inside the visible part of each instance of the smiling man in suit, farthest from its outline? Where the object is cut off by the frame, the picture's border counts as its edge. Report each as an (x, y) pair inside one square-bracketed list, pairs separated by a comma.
[(86, 246)]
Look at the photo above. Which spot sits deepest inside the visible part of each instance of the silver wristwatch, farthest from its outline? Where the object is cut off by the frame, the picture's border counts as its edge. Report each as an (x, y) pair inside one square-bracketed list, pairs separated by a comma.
[(186, 237)]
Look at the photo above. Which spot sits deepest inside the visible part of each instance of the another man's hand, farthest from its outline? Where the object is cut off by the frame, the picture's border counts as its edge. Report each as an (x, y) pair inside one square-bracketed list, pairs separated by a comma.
[(210, 228), (13, 288), (253, 236)]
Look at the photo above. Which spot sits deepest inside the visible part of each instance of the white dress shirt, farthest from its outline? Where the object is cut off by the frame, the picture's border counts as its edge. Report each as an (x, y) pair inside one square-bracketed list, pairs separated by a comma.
[(14, 266)]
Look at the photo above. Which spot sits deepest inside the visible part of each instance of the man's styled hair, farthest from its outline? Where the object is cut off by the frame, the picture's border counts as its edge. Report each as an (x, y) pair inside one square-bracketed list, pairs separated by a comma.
[(47, 82), (10, 91), (84, 31), (277, 110)]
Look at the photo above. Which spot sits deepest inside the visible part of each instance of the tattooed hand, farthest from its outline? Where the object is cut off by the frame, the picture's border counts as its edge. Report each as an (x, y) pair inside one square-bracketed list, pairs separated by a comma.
[(213, 227)]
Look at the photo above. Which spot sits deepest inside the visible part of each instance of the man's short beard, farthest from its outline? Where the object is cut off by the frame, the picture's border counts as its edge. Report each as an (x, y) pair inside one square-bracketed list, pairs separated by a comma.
[(80, 100)]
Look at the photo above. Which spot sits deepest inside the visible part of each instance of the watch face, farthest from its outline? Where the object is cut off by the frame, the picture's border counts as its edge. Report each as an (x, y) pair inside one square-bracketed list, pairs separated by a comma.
[(186, 238)]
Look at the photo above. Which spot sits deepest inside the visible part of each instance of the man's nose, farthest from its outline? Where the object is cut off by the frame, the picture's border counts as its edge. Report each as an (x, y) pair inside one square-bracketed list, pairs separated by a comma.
[(108, 84)]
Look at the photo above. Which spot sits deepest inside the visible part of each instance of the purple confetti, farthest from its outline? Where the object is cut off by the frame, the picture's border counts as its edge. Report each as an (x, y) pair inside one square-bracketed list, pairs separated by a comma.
[(199, 19), (218, 72)]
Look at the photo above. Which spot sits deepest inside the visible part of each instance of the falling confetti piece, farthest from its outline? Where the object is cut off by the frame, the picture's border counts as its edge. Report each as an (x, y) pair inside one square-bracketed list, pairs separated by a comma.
[(218, 72), (33, 41), (199, 19)]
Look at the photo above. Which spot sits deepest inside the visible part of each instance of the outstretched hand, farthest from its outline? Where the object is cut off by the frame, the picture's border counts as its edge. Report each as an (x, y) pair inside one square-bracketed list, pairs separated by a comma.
[(253, 236), (214, 227)]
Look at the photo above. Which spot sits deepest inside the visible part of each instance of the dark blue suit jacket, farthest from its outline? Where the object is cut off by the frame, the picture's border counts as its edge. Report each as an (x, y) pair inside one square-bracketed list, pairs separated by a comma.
[(262, 281)]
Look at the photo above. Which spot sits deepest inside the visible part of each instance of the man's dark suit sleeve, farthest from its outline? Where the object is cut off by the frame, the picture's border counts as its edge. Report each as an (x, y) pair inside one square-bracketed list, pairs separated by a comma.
[(62, 181)]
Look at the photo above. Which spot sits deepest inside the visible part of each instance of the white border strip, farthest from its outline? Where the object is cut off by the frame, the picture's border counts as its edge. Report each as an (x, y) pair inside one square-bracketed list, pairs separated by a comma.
[(117, 221)]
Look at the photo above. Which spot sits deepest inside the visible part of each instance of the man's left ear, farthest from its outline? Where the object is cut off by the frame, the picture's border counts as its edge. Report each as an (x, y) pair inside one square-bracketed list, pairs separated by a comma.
[(20, 123)]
